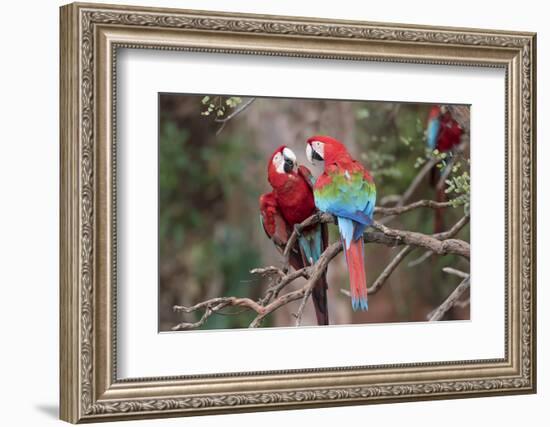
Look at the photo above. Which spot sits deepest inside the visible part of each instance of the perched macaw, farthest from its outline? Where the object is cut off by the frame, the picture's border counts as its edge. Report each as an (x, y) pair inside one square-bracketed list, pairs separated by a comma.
[(443, 133), (346, 190), (290, 203)]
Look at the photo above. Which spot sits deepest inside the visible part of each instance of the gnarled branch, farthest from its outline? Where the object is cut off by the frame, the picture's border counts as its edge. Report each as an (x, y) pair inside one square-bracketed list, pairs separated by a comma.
[(441, 243)]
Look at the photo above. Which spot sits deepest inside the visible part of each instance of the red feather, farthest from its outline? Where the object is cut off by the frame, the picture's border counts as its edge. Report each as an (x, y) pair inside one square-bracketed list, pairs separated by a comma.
[(448, 137), (290, 203), (357, 275), (277, 228)]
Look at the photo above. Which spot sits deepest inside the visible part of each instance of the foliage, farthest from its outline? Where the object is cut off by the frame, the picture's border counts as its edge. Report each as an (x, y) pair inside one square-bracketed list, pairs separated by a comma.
[(198, 182), (459, 185), (219, 106)]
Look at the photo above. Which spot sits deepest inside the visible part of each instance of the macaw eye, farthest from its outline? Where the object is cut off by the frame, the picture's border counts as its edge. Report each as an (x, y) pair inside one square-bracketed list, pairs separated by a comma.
[(319, 149), (318, 146)]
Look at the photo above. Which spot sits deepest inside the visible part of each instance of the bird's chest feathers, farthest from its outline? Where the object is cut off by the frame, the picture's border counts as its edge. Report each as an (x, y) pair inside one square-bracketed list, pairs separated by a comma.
[(295, 199)]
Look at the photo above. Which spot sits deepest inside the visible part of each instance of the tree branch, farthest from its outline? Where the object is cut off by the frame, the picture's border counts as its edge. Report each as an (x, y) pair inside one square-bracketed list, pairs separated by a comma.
[(426, 255), (379, 282), (436, 243), (239, 110), (306, 296), (452, 299), (441, 243), (461, 274), (417, 181), (398, 210)]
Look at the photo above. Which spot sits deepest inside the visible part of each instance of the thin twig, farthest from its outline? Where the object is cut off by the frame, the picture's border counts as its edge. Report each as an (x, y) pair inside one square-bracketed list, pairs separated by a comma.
[(290, 277), (451, 300), (461, 274), (391, 199), (417, 181), (239, 110), (345, 292), (446, 172), (426, 255), (302, 306), (268, 271), (397, 210), (317, 271), (379, 282), (183, 326)]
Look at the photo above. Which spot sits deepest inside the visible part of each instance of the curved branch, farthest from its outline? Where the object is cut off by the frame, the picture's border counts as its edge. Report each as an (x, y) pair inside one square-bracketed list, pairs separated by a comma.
[(239, 110), (451, 300), (379, 282), (438, 245), (441, 243), (306, 296), (211, 306), (398, 210), (417, 181), (320, 218), (317, 271), (426, 255)]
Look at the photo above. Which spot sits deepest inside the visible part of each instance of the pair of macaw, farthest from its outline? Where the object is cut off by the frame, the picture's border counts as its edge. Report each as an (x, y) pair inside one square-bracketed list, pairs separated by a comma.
[(345, 189), (443, 133)]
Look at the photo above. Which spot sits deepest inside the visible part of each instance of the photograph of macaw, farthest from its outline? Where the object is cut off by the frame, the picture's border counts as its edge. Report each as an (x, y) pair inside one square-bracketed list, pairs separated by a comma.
[(283, 212)]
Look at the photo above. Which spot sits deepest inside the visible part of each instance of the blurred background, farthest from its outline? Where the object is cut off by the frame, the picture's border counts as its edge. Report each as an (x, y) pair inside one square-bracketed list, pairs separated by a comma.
[(213, 172)]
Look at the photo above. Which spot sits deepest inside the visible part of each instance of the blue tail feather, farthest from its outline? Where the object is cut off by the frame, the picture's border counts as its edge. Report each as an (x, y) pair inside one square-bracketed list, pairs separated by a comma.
[(310, 244), (359, 304), (346, 228)]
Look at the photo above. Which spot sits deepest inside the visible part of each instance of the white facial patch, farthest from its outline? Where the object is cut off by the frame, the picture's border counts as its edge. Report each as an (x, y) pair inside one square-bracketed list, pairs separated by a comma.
[(279, 163), (309, 153), (316, 146)]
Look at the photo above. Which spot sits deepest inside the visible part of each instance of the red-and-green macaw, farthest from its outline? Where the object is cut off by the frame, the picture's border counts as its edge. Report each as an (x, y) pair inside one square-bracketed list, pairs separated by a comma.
[(443, 133), (346, 190), (289, 204)]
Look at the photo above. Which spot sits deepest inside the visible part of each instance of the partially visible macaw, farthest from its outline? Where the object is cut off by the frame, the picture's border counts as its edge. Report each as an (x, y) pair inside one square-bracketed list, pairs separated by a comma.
[(290, 203), (443, 133), (346, 190)]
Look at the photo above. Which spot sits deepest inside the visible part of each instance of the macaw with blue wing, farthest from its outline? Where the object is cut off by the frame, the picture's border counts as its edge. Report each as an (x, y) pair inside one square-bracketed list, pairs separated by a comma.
[(443, 133), (290, 203), (346, 190)]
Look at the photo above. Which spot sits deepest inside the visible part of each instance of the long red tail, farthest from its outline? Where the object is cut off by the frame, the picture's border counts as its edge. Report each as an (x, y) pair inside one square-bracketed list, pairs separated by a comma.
[(357, 277)]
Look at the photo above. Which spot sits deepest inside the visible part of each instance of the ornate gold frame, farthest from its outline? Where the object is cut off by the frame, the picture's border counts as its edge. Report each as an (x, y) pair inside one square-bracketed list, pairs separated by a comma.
[(90, 36)]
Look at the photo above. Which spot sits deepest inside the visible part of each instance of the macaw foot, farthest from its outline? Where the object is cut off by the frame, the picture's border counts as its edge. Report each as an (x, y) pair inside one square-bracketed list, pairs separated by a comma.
[(298, 230)]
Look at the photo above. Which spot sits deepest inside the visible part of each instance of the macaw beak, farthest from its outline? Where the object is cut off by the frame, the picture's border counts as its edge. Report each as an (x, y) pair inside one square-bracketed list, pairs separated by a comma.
[(289, 165), (312, 155), (289, 160)]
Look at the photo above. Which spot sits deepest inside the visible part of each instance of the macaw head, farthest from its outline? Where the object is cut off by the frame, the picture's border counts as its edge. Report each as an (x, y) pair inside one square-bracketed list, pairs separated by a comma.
[(436, 111), (282, 162), (322, 147)]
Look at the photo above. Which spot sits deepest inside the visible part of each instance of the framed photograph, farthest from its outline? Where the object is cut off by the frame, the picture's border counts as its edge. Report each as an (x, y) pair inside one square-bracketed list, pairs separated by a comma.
[(266, 212)]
